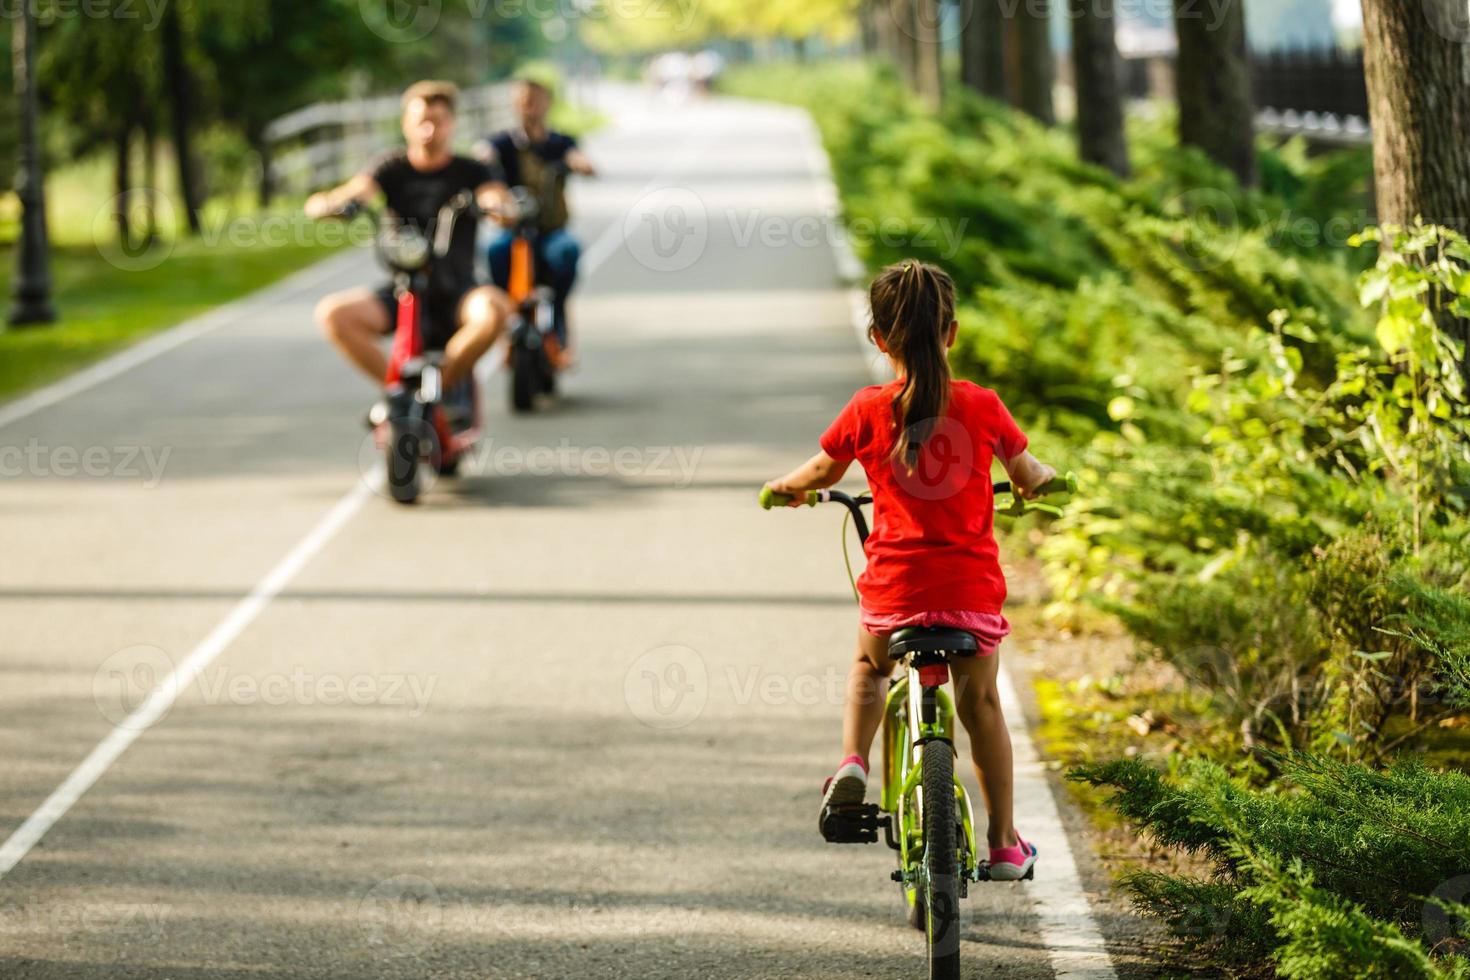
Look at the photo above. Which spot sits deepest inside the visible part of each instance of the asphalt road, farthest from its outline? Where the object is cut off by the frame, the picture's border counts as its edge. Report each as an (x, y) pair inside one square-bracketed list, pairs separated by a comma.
[(567, 718)]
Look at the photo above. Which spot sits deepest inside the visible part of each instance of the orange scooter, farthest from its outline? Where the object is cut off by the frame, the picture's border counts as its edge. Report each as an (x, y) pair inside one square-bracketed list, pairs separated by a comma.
[(535, 356)]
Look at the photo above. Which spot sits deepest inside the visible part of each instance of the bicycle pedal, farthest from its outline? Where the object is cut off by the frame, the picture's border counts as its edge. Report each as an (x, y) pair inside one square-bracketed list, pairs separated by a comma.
[(851, 823)]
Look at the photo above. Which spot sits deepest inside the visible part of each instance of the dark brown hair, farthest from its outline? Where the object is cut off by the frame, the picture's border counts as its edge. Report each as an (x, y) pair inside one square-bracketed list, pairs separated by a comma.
[(913, 307), (434, 93)]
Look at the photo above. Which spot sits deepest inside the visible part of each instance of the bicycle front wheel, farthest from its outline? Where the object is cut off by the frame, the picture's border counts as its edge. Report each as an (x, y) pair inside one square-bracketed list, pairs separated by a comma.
[(941, 881)]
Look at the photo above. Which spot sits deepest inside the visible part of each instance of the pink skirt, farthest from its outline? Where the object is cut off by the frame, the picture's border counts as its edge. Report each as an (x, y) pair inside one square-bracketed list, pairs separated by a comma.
[(989, 629)]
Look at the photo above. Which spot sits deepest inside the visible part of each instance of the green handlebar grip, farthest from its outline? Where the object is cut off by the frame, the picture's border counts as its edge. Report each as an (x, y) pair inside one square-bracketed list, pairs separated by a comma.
[(770, 498), (1062, 484)]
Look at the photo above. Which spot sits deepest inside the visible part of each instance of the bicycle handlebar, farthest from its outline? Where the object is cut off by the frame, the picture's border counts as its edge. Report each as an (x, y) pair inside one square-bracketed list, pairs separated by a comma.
[(1061, 485)]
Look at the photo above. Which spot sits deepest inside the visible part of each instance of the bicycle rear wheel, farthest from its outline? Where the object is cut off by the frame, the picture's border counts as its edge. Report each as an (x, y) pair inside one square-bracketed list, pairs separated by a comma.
[(941, 881)]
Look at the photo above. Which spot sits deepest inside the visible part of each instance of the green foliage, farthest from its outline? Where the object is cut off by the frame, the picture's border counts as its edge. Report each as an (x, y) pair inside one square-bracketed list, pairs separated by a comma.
[(1326, 938), (1330, 870)]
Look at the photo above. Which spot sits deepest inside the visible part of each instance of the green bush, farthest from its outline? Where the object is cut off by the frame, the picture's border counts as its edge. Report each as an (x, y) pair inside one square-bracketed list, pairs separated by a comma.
[(1331, 871)]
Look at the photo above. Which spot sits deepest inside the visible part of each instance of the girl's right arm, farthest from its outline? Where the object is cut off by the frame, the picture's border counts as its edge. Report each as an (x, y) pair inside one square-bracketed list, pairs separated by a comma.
[(1027, 473), (817, 473)]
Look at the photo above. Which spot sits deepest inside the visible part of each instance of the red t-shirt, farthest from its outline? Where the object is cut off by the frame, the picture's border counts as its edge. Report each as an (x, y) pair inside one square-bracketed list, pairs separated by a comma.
[(933, 543)]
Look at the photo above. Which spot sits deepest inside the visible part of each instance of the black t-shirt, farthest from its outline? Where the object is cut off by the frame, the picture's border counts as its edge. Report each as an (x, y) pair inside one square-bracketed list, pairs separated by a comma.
[(524, 163), (417, 196)]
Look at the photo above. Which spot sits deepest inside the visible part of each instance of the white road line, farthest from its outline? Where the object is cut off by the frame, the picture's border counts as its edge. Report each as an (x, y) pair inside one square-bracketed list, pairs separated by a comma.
[(1074, 944), (159, 344), (158, 702)]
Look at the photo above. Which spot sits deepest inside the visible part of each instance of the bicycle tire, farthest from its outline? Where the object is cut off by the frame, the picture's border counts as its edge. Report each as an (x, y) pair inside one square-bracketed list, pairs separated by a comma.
[(941, 884)]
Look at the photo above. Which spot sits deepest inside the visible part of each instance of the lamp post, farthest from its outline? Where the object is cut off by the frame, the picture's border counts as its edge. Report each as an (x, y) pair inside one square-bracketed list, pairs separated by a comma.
[(31, 287)]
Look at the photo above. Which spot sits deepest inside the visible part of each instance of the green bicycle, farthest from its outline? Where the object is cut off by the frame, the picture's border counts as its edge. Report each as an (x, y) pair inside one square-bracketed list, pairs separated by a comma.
[(923, 810)]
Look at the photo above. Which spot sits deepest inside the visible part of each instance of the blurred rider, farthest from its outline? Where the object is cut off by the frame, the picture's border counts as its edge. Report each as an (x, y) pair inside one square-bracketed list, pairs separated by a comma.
[(535, 157), (416, 182)]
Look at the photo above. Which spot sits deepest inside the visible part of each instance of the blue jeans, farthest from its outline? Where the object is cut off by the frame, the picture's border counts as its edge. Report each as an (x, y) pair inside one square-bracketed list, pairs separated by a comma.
[(557, 254)]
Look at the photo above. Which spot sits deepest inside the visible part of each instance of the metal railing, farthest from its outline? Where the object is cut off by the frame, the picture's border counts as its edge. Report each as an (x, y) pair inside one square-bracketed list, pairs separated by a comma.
[(1320, 94)]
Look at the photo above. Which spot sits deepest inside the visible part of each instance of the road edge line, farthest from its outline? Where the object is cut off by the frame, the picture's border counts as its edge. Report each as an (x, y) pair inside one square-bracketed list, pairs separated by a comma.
[(1075, 946)]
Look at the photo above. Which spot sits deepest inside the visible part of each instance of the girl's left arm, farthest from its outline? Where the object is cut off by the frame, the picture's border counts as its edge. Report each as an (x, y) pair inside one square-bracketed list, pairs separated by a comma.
[(817, 473)]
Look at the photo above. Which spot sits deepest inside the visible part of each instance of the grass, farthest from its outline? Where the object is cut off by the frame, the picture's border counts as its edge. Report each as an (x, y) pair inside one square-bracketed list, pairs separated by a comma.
[(104, 308)]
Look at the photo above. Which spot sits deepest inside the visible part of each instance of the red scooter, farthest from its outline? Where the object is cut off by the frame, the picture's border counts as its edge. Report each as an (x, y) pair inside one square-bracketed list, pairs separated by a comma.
[(419, 423)]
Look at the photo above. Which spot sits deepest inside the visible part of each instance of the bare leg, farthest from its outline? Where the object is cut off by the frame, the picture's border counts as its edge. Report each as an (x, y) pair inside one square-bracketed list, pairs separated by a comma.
[(483, 314), (355, 322), (867, 686), (977, 703)]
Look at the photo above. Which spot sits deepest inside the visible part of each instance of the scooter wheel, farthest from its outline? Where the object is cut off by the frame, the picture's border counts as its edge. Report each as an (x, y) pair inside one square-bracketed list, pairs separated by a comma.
[(525, 379), (404, 452)]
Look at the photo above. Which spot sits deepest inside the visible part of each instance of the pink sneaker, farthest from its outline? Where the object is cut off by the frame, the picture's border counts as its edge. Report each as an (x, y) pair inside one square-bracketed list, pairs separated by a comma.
[(1013, 863), (848, 785)]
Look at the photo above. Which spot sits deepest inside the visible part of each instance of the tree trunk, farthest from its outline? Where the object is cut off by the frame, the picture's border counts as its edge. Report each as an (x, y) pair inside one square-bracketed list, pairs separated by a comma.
[(1216, 111), (150, 175), (262, 147), (929, 53), (868, 29), (123, 182), (1095, 66), (983, 48), (180, 87), (905, 44), (1037, 66), (1417, 58), (885, 30)]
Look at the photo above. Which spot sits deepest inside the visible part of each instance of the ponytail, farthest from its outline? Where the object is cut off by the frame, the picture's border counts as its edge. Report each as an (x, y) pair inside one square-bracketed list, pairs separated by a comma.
[(913, 307)]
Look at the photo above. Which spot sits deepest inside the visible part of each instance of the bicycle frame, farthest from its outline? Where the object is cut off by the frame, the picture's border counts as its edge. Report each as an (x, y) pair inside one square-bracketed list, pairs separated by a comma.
[(919, 715)]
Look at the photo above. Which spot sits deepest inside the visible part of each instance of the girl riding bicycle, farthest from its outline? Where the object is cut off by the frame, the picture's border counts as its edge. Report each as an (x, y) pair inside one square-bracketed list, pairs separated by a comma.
[(926, 443)]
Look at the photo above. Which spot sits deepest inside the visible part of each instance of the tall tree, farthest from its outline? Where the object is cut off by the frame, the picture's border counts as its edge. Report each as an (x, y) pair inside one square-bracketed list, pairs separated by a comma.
[(1216, 111), (1418, 64), (1036, 66), (982, 47), (101, 76), (928, 52), (905, 39), (1099, 90), (180, 85), (271, 56)]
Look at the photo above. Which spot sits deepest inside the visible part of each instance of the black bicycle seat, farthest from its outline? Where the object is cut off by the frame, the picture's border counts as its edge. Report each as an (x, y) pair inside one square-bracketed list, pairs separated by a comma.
[(923, 639)]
